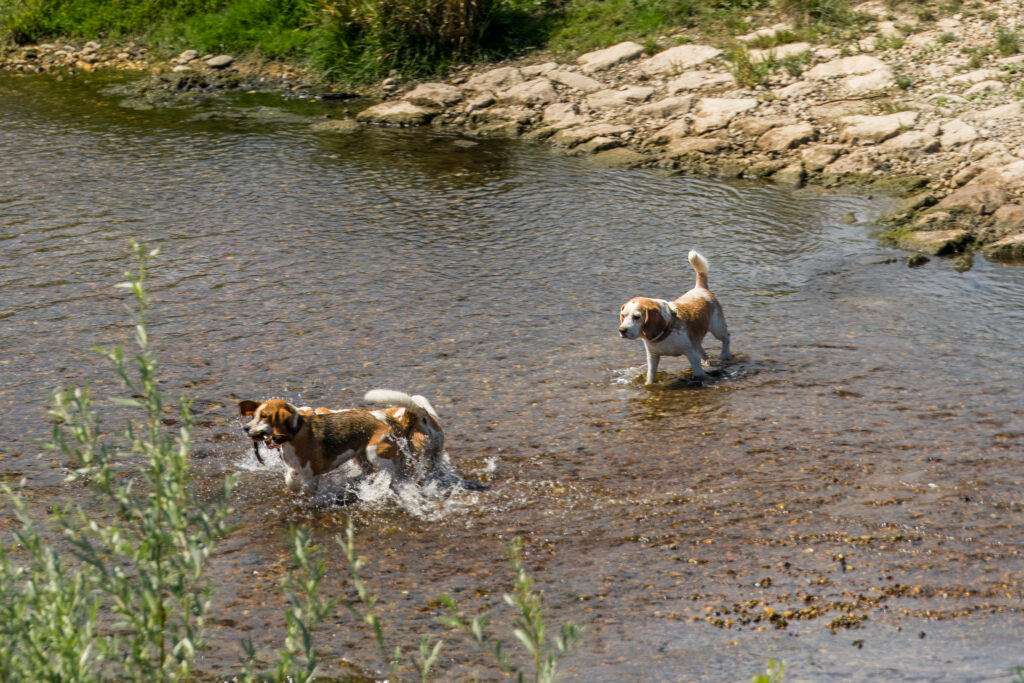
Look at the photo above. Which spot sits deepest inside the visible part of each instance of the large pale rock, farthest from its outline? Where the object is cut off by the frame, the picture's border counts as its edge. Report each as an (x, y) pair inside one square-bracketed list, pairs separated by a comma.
[(599, 60), (666, 108), (678, 59), (534, 70), (560, 111), (1007, 111), (537, 91), (984, 87), (438, 95), (516, 114), (937, 242), (574, 80), (868, 130), (976, 199), (911, 145), (611, 99), (856, 163), (792, 175), (869, 82), (956, 133), (858, 64), (397, 113), (712, 112), (779, 52), (336, 126), (1007, 249), (570, 137), (976, 76), (495, 79), (756, 126), (681, 147), (830, 112), (1009, 218), (819, 156), (794, 90), (677, 129), (766, 32), (220, 61), (618, 157), (787, 137), (699, 80), (1011, 175)]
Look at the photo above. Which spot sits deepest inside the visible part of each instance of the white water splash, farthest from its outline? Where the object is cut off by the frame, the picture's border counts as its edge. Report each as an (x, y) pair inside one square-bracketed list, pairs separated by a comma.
[(436, 496)]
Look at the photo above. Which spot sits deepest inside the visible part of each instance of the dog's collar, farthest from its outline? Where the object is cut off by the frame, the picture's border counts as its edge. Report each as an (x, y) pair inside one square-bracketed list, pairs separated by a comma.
[(663, 335)]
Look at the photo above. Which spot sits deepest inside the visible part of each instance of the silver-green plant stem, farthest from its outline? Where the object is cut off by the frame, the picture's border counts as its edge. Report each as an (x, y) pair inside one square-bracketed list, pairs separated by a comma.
[(143, 572)]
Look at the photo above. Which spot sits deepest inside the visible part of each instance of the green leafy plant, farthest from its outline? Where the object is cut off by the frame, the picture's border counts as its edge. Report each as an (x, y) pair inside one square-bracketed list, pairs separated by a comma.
[(1007, 42), (748, 71), (144, 569), (530, 627), (297, 661), (774, 673)]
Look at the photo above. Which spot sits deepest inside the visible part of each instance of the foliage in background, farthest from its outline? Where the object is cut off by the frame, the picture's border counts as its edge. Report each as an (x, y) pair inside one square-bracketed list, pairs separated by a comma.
[(362, 40), (143, 570)]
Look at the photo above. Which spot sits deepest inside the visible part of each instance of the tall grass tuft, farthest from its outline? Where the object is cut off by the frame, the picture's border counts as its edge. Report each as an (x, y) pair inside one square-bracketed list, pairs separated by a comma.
[(144, 569)]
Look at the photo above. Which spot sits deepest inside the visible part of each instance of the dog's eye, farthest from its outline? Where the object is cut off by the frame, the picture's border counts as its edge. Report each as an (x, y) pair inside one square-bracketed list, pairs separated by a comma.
[(636, 316)]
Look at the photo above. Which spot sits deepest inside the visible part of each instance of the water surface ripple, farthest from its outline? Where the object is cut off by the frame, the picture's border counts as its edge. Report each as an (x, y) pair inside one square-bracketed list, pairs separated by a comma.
[(862, 456)]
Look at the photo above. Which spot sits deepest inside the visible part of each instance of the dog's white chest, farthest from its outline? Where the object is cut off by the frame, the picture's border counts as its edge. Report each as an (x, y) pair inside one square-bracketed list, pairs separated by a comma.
[(677, 343)]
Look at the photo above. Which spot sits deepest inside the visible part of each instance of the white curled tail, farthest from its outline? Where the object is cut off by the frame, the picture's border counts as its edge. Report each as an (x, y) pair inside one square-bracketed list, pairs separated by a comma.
[(417, 404), (700, 265)]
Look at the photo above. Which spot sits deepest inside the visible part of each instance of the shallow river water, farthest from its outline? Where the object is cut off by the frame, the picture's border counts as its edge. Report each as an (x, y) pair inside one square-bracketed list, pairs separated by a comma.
[(847, 495)]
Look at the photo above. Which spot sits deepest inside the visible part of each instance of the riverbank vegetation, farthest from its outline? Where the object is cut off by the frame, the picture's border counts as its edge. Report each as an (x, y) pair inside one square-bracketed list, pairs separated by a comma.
[(359, 41)]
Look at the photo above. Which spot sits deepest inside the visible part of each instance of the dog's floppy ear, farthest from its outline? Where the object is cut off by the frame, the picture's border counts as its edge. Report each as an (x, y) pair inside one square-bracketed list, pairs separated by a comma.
[(654, 321), (248, 407)]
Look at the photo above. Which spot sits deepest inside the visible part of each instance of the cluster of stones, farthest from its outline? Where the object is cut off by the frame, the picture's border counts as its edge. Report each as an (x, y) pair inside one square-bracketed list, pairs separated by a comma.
[(189, 67), (49, 57), (916, 113)]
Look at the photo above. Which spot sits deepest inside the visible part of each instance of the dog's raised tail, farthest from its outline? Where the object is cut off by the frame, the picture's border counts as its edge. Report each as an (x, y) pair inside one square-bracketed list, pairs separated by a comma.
[(416, 403), (700, 265)]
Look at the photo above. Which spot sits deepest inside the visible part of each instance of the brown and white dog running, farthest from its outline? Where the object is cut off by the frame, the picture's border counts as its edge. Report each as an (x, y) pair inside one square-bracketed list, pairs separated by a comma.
[(677, 328), (314, 441)]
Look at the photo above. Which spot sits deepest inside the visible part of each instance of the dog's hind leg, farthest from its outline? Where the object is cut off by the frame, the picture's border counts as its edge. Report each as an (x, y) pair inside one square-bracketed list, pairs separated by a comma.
[(717, 327), (694, 356)]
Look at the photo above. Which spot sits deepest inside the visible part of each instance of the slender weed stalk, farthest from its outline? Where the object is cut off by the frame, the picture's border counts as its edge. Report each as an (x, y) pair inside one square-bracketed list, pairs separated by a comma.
[(774, 673), (530, 627), (143, 572)]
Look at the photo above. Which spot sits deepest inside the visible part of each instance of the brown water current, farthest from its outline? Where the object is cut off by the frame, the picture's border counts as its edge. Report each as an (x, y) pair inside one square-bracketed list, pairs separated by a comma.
[(847, 495)]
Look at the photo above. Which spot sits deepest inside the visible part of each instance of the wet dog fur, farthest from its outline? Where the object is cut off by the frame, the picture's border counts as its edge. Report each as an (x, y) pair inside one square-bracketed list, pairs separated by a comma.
[(315, 441)]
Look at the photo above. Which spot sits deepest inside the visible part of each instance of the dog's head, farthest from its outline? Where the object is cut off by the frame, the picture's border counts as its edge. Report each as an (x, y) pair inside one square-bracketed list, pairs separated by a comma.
[(641, 315), (274, 421)]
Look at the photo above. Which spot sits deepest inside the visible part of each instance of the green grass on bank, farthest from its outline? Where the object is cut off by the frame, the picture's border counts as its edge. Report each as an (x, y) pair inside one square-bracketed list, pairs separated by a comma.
[(362, 40)]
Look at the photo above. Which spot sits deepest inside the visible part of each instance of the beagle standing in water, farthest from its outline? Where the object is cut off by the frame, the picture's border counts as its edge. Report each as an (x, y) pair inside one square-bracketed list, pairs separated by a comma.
[(677, 328)]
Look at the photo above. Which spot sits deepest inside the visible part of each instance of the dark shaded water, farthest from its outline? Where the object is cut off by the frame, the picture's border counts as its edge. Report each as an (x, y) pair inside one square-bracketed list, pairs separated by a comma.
[(862, 458)]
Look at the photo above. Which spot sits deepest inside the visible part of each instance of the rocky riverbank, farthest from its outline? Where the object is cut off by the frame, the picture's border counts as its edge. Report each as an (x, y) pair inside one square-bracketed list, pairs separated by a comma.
[(928, 109)]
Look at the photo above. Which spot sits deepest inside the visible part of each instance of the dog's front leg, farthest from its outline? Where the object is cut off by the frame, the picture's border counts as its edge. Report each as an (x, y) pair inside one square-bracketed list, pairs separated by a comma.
[(652, 364)]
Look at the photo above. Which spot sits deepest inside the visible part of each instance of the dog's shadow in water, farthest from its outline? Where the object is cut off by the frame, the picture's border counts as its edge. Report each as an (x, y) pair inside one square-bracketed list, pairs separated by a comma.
[(737, 368)]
